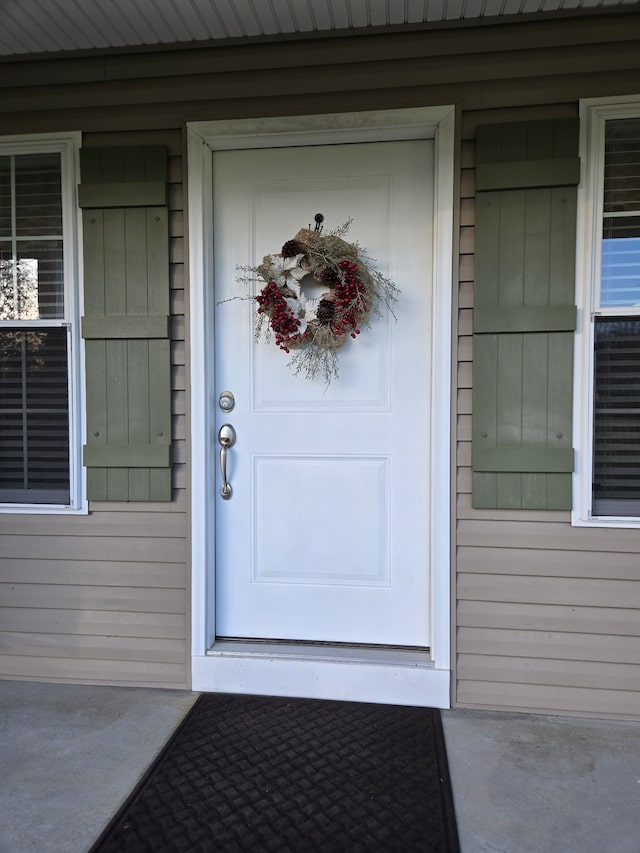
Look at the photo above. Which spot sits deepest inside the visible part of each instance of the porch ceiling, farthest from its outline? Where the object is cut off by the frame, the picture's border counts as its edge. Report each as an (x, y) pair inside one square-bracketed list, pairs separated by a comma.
[(44, 26)]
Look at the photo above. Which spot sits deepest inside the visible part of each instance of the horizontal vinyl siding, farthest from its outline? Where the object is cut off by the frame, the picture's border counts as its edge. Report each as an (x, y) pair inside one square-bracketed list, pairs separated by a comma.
[(547, 615), (102, 598), (540, 697), (115, 672), (134, 624), (552, 645), (480, 68)]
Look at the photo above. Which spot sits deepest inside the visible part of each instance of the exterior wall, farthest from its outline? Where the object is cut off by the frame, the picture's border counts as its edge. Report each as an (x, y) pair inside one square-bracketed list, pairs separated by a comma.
[(103, 598), (547, 615)]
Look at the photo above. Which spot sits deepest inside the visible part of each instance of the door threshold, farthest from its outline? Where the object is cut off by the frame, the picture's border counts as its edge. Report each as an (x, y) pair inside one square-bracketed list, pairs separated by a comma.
[(325, 651), (394, 676)]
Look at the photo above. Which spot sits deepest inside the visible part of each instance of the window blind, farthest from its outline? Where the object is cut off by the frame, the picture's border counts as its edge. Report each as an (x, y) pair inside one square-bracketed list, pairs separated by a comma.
[(622, 166), (616, 468), (34, 420), (616, 444), (34, 382)]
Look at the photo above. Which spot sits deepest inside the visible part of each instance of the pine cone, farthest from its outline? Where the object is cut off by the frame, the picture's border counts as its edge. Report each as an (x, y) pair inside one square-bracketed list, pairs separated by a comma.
[(292, 248), (326, 310), (327, 276)]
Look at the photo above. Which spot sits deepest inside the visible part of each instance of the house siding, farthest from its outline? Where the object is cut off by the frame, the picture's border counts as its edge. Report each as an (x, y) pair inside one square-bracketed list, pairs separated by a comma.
[(546, 615), (103, 598)]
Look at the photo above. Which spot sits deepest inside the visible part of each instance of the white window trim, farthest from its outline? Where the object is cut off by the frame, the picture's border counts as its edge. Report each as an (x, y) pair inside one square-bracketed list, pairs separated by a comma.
[(68, 146), (594, 112)]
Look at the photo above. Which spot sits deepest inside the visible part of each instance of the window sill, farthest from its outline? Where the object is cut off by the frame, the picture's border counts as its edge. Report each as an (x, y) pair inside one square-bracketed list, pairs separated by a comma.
[(43, 509), (618, 522)]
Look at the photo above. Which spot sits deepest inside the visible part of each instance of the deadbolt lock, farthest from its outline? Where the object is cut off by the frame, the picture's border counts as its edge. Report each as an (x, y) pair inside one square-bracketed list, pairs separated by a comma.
[(226, 401)]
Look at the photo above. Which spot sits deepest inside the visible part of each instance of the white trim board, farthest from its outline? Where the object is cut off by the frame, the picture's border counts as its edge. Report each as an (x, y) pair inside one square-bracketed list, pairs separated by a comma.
[(286, 672)]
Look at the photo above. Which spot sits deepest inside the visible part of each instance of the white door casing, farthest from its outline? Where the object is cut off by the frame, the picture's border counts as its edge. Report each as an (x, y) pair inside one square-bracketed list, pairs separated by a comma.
[(287, 670)]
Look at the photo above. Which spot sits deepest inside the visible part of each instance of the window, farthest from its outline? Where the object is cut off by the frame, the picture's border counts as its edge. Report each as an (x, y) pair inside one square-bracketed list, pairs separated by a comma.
[(38, 368), (608, 392)]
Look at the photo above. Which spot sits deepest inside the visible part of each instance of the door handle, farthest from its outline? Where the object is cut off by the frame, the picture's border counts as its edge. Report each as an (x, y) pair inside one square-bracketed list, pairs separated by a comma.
[(226, 439)]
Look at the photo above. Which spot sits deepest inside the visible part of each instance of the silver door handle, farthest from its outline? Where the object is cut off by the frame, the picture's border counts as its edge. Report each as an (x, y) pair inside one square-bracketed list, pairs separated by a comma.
[(226, 439)]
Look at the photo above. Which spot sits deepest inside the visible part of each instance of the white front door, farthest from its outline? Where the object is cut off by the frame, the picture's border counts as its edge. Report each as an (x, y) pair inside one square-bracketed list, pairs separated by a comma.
[(327, 535)]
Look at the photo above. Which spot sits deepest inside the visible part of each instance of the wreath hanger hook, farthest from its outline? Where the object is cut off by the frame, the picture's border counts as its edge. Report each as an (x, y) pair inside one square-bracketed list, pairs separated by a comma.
[(319, 219)]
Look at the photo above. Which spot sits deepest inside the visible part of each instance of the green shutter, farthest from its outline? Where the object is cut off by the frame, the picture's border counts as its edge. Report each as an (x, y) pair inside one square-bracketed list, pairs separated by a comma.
[(123, 196), (524, 314)]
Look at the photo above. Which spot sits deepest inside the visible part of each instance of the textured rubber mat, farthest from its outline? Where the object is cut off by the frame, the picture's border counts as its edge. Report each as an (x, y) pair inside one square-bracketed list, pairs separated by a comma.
[(253, 773)]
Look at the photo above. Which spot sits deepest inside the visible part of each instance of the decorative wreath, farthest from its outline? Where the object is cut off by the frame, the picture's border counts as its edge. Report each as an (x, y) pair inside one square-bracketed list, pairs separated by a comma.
[(315, 328)]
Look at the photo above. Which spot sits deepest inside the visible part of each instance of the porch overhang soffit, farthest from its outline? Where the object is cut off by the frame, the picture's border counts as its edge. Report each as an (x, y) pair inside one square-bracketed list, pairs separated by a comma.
[(33, 28)]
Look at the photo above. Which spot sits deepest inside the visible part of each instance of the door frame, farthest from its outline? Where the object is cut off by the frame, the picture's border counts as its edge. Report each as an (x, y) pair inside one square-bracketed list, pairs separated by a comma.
[(361, 675)]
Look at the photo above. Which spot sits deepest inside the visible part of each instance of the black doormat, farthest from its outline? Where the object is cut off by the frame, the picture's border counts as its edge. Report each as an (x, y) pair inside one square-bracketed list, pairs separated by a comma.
[(253, 773)]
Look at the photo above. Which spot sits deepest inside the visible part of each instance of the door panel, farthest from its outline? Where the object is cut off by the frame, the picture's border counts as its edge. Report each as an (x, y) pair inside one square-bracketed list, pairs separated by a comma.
[(326, 536)]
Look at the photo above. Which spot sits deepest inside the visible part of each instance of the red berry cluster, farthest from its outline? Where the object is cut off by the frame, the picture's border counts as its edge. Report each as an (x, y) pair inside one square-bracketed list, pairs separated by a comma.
[(349, 299), (282, 319)]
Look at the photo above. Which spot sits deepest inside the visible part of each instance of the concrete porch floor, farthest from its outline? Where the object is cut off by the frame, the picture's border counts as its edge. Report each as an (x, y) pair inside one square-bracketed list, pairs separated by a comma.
[(70, 754)]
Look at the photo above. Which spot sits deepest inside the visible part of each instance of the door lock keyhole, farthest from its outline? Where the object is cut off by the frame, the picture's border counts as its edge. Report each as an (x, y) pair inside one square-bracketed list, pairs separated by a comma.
[(226, 401)]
